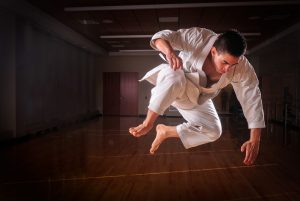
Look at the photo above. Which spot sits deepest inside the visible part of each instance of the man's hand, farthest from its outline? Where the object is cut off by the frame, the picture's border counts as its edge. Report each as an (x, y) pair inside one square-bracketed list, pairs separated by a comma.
[(251, 147), (174, 61), (165, 47)]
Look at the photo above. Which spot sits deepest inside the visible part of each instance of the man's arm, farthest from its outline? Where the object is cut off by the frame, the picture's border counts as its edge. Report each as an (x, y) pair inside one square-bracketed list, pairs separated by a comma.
[(185, 40), (252, 146), (165, 47), (246, 88)]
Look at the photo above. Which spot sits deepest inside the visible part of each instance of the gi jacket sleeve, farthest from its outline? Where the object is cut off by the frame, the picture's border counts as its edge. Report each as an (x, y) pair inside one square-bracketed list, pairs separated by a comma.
[(245, 85), (183, 39)]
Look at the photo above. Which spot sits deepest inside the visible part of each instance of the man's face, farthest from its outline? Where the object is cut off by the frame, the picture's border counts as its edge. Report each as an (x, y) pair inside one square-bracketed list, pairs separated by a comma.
[(223, 62)]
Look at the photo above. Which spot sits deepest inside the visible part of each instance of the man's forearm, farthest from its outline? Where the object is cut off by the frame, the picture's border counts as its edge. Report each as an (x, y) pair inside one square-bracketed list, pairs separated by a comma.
[(163, 46), (255, 134)]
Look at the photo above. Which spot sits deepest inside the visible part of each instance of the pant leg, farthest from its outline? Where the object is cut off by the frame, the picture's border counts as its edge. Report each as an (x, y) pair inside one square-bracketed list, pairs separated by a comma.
[(170, 85), (203, 125)]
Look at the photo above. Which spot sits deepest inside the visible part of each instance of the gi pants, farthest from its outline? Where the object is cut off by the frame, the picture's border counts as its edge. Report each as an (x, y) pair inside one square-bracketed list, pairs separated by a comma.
[(203, 124)]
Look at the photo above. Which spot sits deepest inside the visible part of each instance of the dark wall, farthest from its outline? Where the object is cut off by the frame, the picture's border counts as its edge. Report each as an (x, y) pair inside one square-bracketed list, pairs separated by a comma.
[(45, 81), (7, 75), (279, 67)]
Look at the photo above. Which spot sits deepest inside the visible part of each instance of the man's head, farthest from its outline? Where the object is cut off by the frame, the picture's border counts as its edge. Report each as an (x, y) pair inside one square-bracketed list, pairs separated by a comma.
[(231, 42), (227, 50)]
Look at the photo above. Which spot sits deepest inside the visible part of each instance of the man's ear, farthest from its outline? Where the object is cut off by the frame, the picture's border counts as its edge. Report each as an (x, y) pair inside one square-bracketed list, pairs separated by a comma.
[(213, 51)]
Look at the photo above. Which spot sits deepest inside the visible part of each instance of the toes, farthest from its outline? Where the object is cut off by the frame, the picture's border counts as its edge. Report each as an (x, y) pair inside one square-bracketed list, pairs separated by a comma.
[(139, 130), (155, 144), (132, 131), (153, 149), (135, 131)]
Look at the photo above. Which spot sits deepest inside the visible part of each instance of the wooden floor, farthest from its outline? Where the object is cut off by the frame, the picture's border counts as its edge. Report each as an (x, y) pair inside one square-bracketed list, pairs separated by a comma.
[(99, 160)]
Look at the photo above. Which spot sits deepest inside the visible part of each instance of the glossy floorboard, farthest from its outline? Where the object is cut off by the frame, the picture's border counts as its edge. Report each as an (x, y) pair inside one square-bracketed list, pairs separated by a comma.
[(99, 160)]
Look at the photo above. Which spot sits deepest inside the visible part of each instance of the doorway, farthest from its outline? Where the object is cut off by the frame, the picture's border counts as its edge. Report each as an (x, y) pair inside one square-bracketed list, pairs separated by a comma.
[(120, 93)]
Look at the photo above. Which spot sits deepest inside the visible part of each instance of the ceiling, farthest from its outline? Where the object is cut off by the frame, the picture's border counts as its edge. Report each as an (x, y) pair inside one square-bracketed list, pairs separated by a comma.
[(126, 25)]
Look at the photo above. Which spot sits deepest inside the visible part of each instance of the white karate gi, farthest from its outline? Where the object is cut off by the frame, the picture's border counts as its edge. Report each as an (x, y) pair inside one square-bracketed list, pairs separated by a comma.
[(186, 89)]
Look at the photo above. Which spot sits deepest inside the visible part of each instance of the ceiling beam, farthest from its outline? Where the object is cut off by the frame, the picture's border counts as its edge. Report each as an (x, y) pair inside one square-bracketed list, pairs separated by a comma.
[(149, 36), (185, 5), (125, 36)]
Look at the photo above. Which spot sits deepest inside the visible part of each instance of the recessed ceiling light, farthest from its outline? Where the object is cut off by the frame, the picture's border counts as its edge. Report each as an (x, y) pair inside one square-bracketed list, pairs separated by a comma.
[(168, 19), (85, 22)]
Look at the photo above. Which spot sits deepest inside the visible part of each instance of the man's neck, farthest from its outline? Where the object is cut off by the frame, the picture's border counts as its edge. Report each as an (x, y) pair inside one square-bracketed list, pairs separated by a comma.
[(210, 69)]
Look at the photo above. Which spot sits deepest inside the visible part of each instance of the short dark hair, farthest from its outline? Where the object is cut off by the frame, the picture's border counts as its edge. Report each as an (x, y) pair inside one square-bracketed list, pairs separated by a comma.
[(232, 42)]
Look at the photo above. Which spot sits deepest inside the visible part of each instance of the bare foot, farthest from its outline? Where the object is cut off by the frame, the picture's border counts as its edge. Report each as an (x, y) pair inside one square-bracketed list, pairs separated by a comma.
[(162, 133), (140, 130)]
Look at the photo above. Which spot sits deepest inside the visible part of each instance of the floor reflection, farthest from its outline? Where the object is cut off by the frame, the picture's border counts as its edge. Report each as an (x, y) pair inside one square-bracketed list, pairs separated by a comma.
[(99, 160)]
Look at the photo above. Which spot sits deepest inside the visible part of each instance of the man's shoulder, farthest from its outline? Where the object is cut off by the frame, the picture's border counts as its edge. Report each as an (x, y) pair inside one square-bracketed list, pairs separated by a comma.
[(244, 62), (200, 30), (197, 34)]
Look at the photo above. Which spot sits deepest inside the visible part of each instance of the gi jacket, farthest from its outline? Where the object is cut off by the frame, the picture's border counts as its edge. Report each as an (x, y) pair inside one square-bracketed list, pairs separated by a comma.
[(194, 45)]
